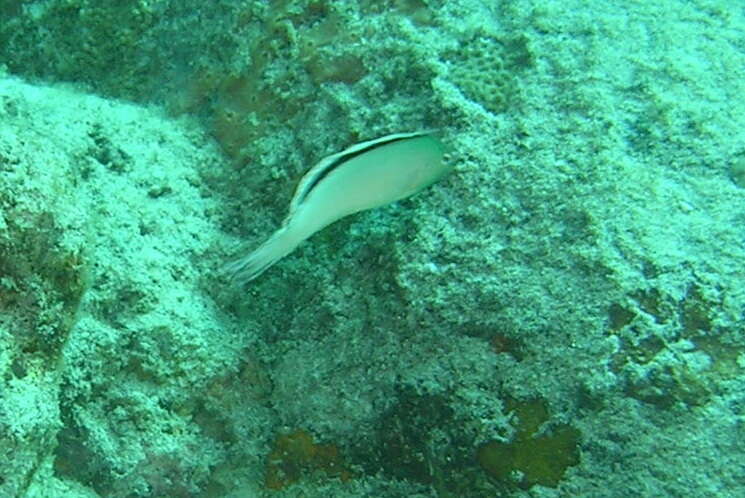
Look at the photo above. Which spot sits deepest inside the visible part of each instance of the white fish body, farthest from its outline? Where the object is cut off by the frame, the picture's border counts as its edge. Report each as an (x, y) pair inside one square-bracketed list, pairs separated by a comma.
[(364, 176)]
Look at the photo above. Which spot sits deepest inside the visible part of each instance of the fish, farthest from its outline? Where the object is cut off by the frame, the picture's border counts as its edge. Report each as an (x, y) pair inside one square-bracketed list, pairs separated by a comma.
[(363, 176)]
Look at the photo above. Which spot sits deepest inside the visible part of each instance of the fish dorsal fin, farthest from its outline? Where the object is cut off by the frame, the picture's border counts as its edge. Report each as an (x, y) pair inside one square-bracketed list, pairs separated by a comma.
[(328, 164)]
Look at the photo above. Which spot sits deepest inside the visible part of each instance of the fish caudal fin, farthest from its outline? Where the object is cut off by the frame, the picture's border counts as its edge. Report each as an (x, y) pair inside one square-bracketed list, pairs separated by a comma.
[(250, 266)]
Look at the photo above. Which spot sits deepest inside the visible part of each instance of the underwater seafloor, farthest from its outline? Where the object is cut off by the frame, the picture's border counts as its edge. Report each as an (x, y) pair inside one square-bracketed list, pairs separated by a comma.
[(563, 315)]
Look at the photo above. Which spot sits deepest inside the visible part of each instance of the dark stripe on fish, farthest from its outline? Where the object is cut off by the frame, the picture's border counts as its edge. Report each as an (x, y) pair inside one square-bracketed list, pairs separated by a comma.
[(347, 157)]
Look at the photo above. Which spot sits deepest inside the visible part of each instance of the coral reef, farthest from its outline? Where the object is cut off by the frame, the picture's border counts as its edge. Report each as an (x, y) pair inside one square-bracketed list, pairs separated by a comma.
[(576, 281)]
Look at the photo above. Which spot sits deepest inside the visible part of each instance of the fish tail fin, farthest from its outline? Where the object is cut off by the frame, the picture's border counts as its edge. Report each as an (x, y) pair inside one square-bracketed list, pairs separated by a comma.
[(253, 264)]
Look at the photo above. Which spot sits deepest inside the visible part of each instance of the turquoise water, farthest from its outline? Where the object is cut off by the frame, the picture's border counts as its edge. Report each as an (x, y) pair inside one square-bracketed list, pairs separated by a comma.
[(563, 314)]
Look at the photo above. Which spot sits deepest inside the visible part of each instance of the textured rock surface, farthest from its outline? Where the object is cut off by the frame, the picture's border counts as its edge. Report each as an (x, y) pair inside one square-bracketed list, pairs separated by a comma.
[(573, 290)]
